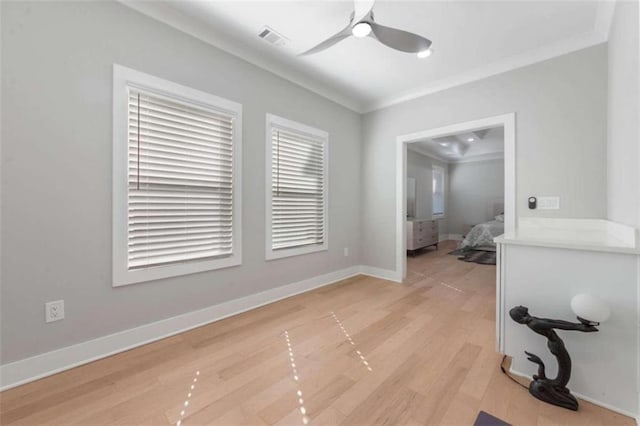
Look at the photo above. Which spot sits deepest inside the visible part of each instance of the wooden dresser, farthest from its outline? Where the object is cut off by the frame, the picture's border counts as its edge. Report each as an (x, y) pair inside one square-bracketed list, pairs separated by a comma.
[(421, 233)]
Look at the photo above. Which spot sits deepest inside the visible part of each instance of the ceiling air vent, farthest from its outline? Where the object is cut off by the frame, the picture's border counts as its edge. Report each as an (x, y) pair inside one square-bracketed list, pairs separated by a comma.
[(271, 36)]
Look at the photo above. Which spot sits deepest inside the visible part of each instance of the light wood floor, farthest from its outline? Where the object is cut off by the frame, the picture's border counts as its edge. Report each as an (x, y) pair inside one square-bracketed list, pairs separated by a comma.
[(364, 351)]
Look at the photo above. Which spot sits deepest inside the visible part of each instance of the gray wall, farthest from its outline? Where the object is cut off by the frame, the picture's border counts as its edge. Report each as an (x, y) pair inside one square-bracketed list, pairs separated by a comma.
[(56, 171), (420, 167), (560, 128), (623, 152), (472, 189)]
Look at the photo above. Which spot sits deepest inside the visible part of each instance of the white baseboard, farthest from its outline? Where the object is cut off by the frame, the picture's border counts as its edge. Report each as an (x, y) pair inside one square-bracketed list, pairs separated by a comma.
[(637, 417), (384, 274), (26, 370), (450, 237), (594, 401)]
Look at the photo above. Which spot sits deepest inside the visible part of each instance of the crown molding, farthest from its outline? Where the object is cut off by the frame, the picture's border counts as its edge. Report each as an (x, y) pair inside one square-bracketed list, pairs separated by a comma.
[(604, 17), (426, 153), (473, 159), (166, 14), (530, 57), (200, 30), (478, 158)]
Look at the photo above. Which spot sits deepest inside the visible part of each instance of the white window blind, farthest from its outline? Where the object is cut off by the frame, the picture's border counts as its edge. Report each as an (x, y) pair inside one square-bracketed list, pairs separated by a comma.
[(438, 191), (298, 190), (180, 181)]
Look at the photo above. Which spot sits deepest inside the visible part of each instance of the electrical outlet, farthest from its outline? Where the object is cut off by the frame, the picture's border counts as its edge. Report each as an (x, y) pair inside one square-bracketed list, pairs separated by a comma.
[(346, 251), (54, 311)]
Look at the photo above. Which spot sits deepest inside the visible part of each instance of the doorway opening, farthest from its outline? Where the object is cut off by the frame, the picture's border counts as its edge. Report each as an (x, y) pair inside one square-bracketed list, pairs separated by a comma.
[(443, 147)]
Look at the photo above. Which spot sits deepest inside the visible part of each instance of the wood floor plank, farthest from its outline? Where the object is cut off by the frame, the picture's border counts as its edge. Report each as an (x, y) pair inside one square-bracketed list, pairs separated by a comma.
[(479, 376), (379, 406), (429, 347), (439, 396), (463, 410)]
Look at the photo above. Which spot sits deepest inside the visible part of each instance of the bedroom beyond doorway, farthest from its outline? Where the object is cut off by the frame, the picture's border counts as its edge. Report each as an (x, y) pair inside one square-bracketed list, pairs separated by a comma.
[(457, 184)]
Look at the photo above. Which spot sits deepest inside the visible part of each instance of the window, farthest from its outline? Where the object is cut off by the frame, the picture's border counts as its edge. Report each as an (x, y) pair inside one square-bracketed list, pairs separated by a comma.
[(296, 188), (176, 175), (437, 176)]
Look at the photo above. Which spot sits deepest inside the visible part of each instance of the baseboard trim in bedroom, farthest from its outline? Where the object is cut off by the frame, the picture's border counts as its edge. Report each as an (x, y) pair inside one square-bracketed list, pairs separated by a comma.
[(384, 274), (36, 367), (594, 401), (449, 237)]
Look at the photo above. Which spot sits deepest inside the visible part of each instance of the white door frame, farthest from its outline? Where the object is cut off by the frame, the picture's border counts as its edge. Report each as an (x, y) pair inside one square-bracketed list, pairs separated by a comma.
[(508, 121)]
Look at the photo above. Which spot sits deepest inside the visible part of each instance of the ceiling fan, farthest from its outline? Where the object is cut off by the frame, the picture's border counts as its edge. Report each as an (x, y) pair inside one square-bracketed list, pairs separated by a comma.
[(362, 24)]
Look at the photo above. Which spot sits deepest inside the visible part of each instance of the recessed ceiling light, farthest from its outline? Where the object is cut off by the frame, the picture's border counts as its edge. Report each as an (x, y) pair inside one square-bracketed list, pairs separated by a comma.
[(425, 53), (444, 143), (470, 139), (361, 29)]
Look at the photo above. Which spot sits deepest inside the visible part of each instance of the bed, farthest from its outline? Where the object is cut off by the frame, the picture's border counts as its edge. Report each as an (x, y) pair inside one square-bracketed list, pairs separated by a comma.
[(481, 236)]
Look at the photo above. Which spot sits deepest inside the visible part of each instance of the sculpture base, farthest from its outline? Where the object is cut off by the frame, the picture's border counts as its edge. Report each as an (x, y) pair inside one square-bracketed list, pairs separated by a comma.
[(544, 390)]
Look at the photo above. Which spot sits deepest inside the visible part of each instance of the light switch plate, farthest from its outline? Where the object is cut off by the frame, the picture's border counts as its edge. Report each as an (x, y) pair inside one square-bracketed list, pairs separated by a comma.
[(549, 203)]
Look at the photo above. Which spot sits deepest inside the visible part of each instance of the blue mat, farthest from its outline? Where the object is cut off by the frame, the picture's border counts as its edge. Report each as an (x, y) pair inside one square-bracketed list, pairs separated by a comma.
[(485, 419)]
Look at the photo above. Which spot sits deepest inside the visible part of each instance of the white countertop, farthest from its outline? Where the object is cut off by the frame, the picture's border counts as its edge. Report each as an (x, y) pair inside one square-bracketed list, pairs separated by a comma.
[(575, 234)]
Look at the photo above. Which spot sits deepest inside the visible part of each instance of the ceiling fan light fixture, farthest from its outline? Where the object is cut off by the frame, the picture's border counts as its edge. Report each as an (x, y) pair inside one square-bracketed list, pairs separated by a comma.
[(361, 29), (425, 53), (362, 24)]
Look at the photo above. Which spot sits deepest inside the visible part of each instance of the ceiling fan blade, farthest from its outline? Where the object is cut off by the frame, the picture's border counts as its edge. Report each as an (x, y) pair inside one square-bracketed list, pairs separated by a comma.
[(341, 35), (361, 8), (399, 39)]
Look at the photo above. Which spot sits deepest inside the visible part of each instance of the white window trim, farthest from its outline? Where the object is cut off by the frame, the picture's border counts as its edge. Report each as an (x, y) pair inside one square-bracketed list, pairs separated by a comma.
[(122, 78), (271, 254), (442, 215)]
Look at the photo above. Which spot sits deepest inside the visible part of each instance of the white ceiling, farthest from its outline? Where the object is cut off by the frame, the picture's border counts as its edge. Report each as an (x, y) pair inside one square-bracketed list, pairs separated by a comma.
[(485, 144), (471, 39)]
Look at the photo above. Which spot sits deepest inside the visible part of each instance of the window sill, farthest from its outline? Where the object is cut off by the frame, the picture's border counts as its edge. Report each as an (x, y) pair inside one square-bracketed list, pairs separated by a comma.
[(142, 275), (295, 251)]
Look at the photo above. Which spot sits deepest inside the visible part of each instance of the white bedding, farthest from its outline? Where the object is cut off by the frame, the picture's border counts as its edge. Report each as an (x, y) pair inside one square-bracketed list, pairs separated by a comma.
[(483, 234)]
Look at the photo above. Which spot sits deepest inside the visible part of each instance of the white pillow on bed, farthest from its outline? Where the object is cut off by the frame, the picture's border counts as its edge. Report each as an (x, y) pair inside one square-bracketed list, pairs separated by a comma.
[(499, 218)]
